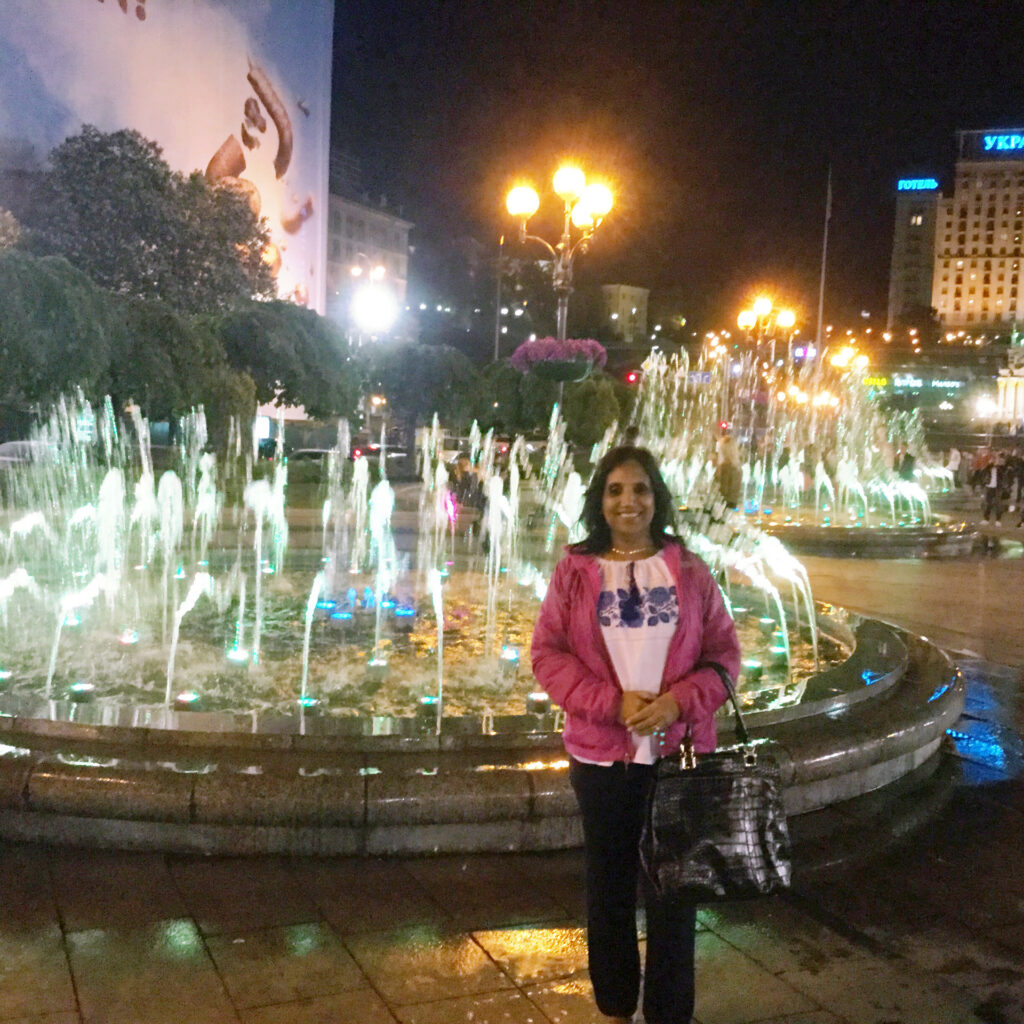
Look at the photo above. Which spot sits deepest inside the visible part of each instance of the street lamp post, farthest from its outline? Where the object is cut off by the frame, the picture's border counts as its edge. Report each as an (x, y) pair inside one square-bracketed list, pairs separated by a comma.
[(585, 206)]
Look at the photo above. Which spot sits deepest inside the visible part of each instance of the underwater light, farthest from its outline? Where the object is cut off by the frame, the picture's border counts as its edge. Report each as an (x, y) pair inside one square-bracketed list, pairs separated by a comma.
[(766, 624), (129, 637), (538, 702), (238, 654), (752, 670), (187, 701), (80, 693), (779, 654)]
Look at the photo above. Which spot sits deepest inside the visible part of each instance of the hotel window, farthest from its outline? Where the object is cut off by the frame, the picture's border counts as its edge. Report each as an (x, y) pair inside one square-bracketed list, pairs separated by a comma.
[(917, 220)]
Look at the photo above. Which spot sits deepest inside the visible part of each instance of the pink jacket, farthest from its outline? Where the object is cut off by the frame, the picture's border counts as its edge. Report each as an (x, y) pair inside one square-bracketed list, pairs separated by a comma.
[(572, 663)]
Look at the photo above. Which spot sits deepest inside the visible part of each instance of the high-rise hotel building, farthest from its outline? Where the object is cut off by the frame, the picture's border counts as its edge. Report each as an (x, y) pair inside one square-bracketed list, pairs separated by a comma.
[(977, 282)]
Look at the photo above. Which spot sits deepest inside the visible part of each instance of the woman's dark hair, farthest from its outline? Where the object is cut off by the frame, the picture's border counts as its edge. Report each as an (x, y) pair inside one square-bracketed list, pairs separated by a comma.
[(599, 535)]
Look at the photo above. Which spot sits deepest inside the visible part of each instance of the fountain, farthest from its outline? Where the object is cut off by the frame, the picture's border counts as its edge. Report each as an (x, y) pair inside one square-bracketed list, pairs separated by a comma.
[(809, 477), (225, 673)]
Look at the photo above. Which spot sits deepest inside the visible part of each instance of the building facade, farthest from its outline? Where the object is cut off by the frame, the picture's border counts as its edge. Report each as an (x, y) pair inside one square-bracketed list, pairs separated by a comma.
[(364, 242), (977, 279), (913, 247), (626, 307)]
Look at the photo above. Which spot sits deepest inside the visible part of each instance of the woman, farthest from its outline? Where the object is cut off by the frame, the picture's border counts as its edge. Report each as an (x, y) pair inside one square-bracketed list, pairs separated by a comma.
[(627, 620)]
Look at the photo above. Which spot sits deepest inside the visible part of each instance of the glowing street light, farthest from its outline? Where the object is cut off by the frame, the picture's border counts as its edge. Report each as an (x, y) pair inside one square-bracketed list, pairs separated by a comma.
[(584, 207), (374, 308)]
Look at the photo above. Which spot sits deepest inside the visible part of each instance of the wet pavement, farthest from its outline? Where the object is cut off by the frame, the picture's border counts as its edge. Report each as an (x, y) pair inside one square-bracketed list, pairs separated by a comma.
[(908, 906)]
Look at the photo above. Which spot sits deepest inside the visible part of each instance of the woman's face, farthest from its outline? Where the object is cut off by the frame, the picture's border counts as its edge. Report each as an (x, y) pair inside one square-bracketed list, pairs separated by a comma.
[(628, 505)]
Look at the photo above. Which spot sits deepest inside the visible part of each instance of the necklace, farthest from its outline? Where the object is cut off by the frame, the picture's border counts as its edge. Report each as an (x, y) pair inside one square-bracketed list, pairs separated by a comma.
[(634, 551)]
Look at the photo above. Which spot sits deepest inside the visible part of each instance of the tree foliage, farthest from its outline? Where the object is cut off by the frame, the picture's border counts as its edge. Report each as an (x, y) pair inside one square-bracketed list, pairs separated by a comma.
[(56, 330), (293, 355), (116, 210), (419, 380), (591, 407)]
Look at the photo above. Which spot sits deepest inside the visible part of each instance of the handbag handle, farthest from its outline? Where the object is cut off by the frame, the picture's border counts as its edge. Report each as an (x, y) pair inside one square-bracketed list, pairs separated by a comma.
[(730, 688)]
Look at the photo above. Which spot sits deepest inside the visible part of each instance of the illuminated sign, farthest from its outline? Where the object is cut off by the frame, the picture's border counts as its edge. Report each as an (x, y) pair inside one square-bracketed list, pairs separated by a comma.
[(947, 383), (1003, 143), (876, 382), (916, 185), (906, 381)]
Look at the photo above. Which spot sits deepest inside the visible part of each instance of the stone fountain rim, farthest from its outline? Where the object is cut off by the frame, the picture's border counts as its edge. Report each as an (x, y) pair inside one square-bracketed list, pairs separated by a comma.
[(463, 733)]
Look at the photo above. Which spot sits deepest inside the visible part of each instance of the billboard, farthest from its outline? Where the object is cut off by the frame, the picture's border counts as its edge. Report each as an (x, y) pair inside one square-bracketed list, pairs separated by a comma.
[(238, 89)]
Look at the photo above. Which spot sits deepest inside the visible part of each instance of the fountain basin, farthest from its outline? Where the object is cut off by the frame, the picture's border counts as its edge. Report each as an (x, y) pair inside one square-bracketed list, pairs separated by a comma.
[(951, 540), (480, 785)]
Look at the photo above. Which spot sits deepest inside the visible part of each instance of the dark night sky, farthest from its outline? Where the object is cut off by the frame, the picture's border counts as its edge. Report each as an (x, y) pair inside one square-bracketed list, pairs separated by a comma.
[(716, 123)]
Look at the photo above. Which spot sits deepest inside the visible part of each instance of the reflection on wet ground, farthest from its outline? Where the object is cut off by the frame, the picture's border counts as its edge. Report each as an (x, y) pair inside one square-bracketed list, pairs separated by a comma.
[(908, 906)]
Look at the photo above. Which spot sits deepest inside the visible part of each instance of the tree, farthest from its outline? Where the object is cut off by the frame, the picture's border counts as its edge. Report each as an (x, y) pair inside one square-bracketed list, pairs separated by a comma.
[(10, 230), (512, 402), (590, 409), (56, 332), (165, 362), (419, 380), (116, 210), (293, 355)]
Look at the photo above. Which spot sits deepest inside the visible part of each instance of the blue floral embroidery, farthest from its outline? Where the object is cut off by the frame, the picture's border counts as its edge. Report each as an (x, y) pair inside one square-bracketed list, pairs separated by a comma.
[(638, 608)]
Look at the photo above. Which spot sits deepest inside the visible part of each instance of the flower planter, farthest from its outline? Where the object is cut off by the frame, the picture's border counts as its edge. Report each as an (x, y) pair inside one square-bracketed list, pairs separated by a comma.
[(563, 370)]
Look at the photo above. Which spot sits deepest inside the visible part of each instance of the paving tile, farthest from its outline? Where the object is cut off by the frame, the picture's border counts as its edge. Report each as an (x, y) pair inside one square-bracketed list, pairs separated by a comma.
[(340, 1008), (819, 1017), (47, 1018), (776, 935), (492, 1008), (158, 973), (485, 890), (34, 972), (560, 876), (368, 895), (534, 953), (108, 889), (973, 962), (242, 894), (727, 982), (566, 1001), (415, 965), (871, 990), (278, 965), (26, 889)]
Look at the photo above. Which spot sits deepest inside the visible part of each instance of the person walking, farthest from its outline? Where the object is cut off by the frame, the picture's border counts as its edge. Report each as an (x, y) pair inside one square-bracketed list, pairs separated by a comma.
[(729, 471), (628, 622), (995, 485)]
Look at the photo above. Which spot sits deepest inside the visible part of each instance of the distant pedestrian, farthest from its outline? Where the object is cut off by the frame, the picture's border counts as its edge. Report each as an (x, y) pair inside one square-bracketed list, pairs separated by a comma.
[(954, 460), (995, 489)]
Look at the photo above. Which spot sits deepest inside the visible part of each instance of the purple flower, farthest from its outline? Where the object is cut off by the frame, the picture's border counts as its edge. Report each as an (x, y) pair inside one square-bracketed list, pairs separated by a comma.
[(546, 350)]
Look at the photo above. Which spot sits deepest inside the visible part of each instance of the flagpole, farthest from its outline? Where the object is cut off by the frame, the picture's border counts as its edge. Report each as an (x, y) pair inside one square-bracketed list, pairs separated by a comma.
[(824, 257)]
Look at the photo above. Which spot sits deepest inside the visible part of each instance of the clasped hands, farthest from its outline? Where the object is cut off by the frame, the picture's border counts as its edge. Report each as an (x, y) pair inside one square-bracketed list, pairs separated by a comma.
[(646, 712)]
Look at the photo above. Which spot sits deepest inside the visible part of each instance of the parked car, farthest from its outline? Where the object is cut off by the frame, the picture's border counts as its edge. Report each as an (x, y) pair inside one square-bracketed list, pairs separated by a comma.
[(19, 453)]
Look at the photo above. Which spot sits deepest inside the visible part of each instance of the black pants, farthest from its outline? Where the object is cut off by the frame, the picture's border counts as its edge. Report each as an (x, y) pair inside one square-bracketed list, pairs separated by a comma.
[(612, 802)]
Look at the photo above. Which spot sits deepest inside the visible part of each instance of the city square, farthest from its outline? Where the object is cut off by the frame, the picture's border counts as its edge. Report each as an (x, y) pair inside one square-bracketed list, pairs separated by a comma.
[(331, 400)]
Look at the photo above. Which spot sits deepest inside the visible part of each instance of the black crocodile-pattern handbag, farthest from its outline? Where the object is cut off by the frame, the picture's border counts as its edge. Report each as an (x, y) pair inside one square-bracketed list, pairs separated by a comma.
[(715, 826)]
